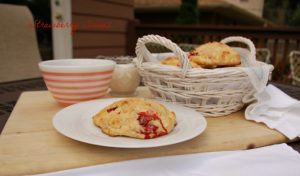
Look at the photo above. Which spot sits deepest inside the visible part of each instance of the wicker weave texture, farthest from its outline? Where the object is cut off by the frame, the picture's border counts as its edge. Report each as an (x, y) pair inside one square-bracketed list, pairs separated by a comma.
[(214, 92)]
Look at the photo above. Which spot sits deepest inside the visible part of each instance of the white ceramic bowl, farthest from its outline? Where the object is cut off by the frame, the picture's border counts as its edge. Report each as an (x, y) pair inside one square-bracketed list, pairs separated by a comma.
[(75, 80)]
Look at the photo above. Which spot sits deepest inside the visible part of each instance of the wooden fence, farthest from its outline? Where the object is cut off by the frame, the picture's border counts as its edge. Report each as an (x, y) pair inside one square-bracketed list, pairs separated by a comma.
[(280, 41)]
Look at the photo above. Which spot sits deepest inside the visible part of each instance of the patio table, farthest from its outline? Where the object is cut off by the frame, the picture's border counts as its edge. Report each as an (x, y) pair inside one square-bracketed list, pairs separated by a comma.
[(29, 144)]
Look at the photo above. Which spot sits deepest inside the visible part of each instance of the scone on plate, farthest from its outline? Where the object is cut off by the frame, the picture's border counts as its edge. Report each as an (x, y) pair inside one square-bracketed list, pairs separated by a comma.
[(136, 118), (215, 54)]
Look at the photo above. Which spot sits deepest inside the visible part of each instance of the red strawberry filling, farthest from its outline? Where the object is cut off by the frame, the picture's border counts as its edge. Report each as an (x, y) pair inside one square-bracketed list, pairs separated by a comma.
[(192, 53), (111, 109), (150, 130)]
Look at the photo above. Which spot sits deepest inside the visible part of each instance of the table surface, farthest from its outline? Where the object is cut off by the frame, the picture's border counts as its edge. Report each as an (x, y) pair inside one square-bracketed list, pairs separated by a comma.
[(29, 144)]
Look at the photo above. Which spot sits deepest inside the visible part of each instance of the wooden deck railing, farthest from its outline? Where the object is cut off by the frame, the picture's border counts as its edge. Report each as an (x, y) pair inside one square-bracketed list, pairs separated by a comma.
[(280, 41)]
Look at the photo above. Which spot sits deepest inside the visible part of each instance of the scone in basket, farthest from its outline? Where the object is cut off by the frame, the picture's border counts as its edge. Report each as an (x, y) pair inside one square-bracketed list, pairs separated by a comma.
[(214, 92)]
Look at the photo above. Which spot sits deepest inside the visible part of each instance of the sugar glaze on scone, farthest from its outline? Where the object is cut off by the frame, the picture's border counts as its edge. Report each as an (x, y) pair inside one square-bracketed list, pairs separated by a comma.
[(135, 117)]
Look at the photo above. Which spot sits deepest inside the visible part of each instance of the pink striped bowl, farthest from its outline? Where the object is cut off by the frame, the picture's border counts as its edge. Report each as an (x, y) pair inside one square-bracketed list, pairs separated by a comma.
[(75, 80)]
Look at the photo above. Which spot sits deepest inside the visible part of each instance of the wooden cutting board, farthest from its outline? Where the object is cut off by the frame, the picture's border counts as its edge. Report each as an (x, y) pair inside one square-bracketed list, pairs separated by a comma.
[(29, 144)]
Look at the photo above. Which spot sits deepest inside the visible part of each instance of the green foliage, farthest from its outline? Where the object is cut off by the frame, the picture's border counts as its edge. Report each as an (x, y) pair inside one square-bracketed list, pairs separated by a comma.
[(273, 3), (288, 10), (188, 13), (272, 8), (295, 20)]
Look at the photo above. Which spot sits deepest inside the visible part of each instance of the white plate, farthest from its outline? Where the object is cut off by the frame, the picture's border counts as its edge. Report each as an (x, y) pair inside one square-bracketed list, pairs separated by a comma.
[(75, 122)]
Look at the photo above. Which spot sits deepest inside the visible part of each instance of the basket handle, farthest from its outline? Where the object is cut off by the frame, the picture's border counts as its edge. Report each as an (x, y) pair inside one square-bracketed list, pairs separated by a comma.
[(246, 41), (143, 53)]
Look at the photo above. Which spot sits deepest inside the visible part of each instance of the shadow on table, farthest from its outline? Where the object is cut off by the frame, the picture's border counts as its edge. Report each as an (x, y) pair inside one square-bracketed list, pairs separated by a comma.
[(10, 92)]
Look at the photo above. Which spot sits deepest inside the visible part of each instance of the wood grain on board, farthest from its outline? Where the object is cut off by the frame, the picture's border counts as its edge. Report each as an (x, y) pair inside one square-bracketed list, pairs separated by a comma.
[(29, 144)]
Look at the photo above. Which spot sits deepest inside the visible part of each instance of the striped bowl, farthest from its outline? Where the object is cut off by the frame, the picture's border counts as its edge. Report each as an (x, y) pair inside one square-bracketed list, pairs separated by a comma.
[(75, 80)]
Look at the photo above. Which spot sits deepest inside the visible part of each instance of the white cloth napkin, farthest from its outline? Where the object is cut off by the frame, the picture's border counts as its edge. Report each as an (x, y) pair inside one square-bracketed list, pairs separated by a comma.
[(277, 110), (276, 160)]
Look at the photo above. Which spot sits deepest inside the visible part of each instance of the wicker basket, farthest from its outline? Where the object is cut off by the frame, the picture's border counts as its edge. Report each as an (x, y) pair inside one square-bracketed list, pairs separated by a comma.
[(214, 92)]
